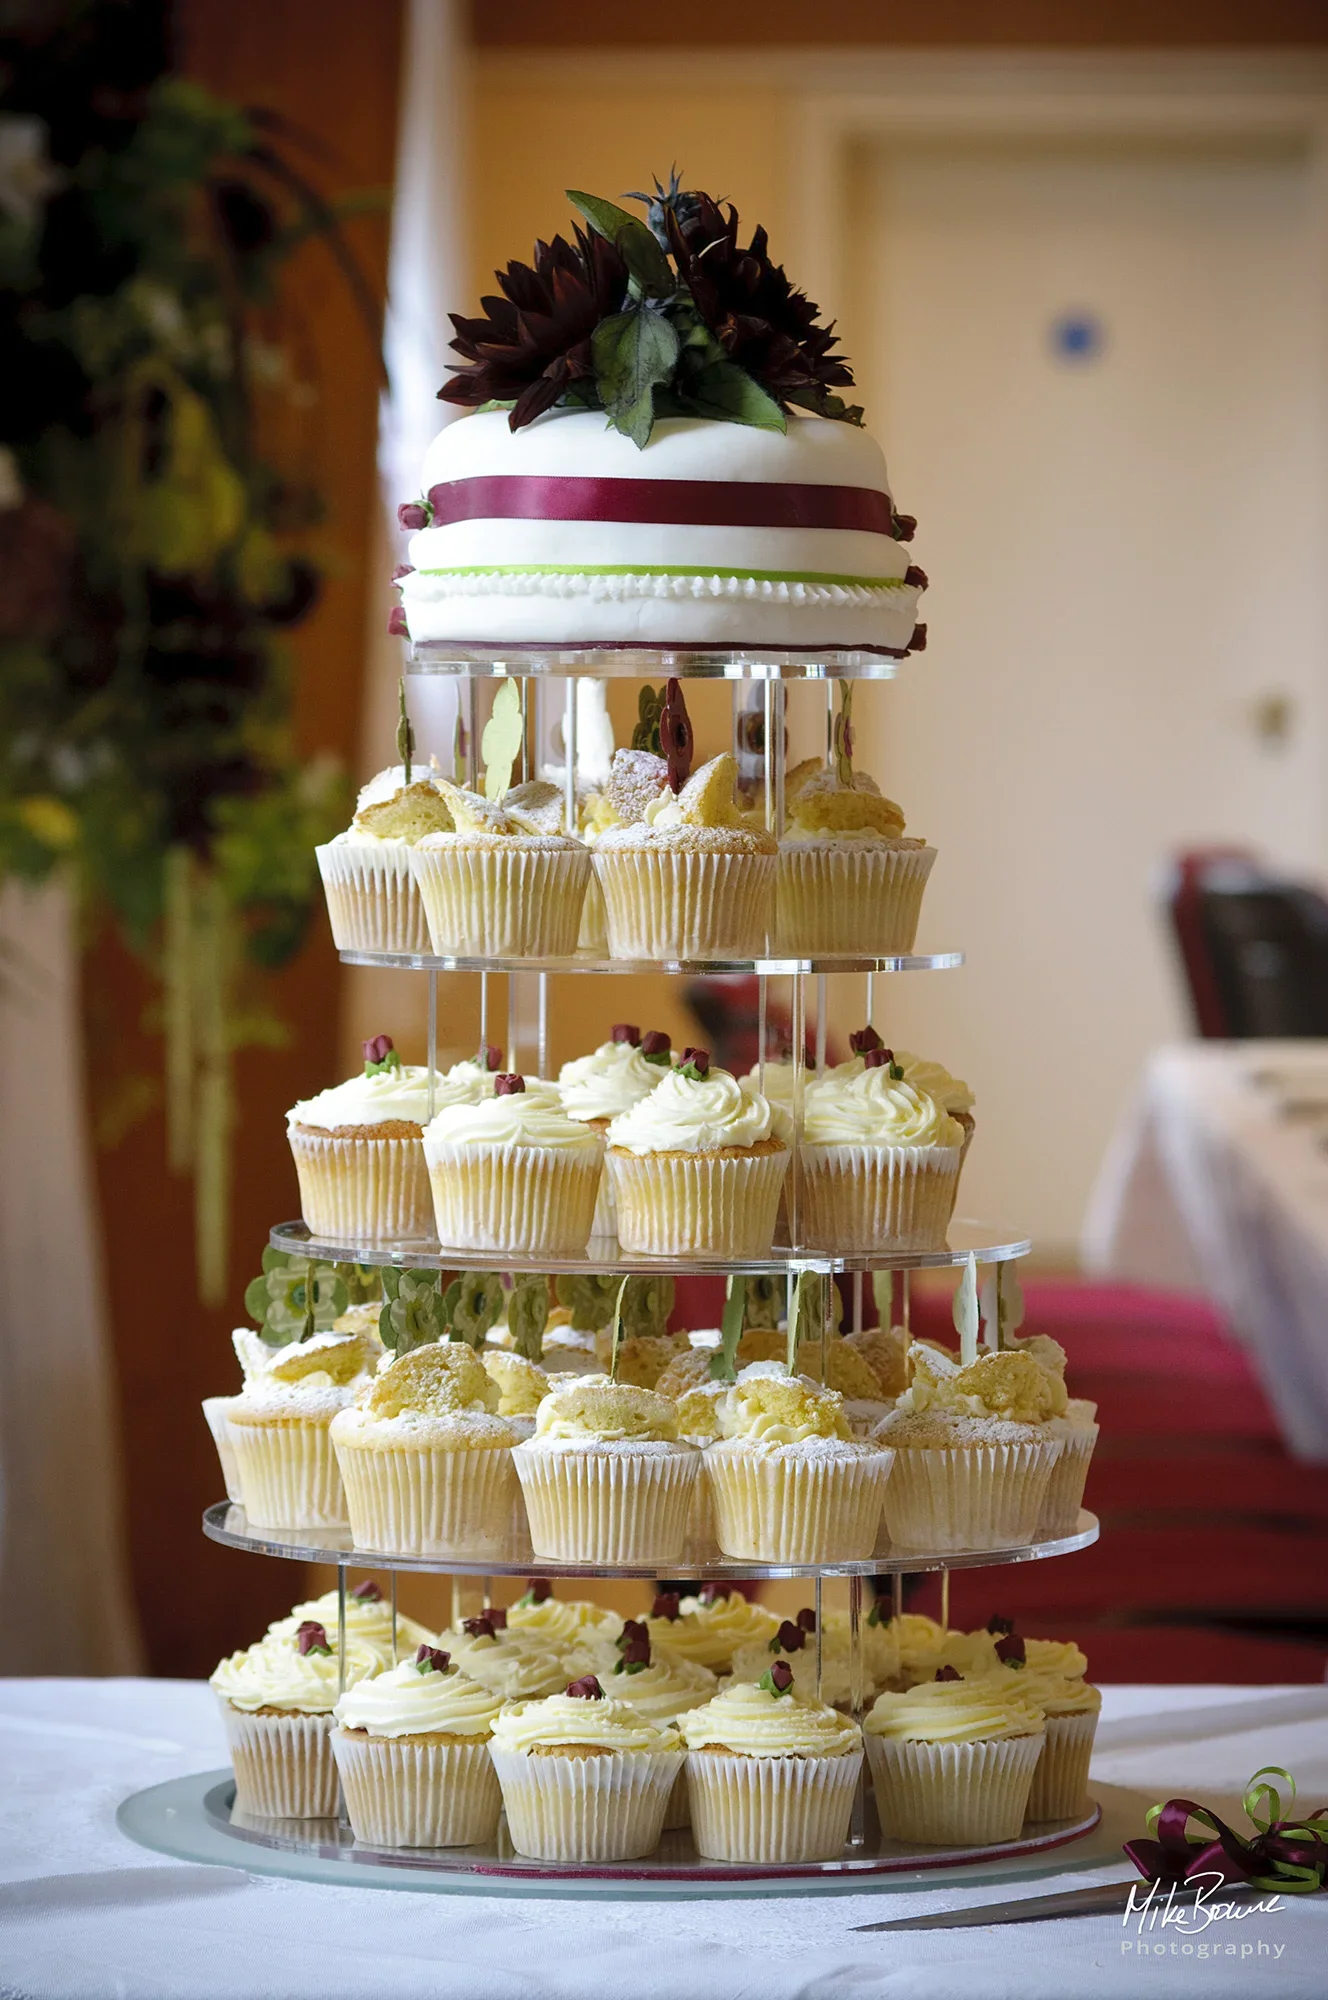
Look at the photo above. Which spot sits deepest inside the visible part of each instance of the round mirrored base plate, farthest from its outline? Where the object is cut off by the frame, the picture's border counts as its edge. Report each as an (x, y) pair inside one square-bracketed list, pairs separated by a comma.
[(229, 1524), (984, 1240), (195, 1819), (692, 968)]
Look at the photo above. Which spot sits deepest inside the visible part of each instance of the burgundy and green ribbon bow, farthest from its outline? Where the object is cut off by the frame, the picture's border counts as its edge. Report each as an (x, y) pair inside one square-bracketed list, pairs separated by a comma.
[(1285, 1856)]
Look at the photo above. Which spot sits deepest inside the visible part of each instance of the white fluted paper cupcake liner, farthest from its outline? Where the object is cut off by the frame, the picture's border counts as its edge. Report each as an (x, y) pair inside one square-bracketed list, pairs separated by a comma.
[(283, 1764), (427, 1501), (1065, 1488), (288, 1475), (986, 1496), (606, 1505), (671, 903), (602, 1808), (214, 1412), (678, 1811), (373, 903), (865, 900), (502, 901), (696, 1204), (771, 1808), (524, 1201), (406, 1791), (365, 1189), (1060, 1779), (593, 936), (952, 1794), (858, 1199), (788, 1506)]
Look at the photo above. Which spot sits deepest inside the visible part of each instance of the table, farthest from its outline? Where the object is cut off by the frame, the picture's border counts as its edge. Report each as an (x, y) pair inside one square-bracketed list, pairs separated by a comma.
[(85, 1914), (1217, 1181)]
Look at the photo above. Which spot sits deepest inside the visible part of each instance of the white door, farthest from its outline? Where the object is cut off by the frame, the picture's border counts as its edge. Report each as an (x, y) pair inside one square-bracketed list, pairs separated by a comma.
[(1097, 379)]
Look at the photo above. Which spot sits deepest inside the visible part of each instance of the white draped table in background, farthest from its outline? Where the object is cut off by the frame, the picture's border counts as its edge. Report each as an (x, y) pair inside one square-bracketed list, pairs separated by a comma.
[(86, 1915), (1217, 1182)]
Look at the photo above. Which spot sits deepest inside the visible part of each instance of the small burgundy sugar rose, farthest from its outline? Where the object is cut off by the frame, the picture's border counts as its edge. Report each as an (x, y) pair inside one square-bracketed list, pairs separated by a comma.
[(624, 1031), (996, 1625), (696, 1063), (633, 1629), (635, 1655), (402, 569), (377, 1049), (656, 1047), (479, 1628), (493, 1056), (667, 1604), (432, 1660), (497, 1617), (947, 1674), (311, 1637), (412, 515), (916, 577), (1010, 1650), (714, 1593), (778, 1679), (864, 1039), (505, 1084), (807, 1618), (586, 1689), (790, 1638), (538, 1591), (367, 1592)]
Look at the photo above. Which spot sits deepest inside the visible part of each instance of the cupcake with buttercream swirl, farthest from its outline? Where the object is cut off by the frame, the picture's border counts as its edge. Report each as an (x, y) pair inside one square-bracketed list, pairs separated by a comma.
[(584, 1777), (369, 1616), (698, 1165), (412, 1749), (603, 1085), (772, 1772), (606, 1476), (277, 1699), (952, 1760), (514, 1174), (880, 1162), (357, 1153)]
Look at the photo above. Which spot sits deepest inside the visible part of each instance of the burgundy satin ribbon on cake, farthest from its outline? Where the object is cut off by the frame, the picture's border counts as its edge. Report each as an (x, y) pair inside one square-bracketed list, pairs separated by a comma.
[(695, 503)]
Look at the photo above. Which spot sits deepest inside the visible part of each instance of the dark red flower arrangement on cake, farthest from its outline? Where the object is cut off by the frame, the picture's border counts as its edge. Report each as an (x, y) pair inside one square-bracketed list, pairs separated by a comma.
[(670, 317)]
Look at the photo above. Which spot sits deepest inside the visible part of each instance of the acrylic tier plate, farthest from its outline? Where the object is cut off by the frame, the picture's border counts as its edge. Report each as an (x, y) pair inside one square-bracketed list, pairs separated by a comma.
[(227, 1523), (984, 1241), (774, 966), (193, 1819), (628, 662)]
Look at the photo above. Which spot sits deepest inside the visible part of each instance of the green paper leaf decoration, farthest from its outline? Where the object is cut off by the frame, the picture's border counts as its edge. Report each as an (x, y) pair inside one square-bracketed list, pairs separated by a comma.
[(645, 1305), (460, 764), (724, 1363), (634, 352), (844, 736), (412, 1314), (363, 1283), (762, 1301), (965, 1312), (616, 1338), (405, 734), (476, 1306), (527, 1315), (589, 1297), (633, 241), (723, 390), (649, 710), (500, 745), (1002, 1306), (294, 1298)]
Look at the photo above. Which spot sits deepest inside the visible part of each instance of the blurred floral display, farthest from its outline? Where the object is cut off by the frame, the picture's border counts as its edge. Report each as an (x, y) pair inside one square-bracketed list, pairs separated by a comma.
[(157, 539)]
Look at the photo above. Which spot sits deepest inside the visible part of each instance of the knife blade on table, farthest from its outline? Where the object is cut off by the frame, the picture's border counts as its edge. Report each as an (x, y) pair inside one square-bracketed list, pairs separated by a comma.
[(1100, 1900)]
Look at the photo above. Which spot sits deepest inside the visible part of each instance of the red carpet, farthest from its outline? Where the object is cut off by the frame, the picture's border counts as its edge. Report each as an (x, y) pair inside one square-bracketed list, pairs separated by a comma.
[(1211, 1562)]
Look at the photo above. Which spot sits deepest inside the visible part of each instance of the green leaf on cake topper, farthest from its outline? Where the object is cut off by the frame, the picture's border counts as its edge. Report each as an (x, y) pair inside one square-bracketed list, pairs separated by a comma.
[(615, 1338), (500, 745), (647, 261), (527, 1315), (964, 1312), (412, 1314), (649, 709), (294, 1298), (1002, 1303), (645, 1304), (724, 1361), (589, 1298), (635, 353), (843, 741), (405, 734), (762, 1302), (460, 748), (728, 394), (472, 1304)]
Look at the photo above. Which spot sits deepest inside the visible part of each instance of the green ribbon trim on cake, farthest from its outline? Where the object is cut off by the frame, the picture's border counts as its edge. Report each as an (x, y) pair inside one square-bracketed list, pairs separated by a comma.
[(670, 569)]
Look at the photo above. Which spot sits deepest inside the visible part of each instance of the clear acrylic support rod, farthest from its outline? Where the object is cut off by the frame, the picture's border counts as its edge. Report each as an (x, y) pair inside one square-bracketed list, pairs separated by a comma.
[(820, 1636), (799, 1014), (945, 1600), (821, 1011), (433, 1040), (569, 758), (392, 1577), (542, 1066)]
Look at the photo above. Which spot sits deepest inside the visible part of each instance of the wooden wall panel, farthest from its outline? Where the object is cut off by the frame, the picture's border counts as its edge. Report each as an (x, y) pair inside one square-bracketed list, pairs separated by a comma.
[(332, 67)]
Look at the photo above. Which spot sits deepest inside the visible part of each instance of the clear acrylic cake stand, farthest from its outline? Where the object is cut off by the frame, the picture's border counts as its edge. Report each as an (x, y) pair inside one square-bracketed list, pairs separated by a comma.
[(194, 1818)]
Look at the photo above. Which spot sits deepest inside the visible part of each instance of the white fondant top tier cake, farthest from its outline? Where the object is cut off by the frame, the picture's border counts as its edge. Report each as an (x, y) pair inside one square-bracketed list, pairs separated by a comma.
[(715, 534)]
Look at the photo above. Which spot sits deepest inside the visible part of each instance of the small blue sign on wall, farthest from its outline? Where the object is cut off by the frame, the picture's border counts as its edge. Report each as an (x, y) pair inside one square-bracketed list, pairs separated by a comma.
[(1077, 337)]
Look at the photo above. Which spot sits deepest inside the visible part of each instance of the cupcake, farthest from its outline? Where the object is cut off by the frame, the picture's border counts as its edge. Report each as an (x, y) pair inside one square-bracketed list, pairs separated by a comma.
[(514, 1174), (795, 1644), (562, 1621), (697, 1167), (372, 901), (931, 1078), (425, 1460), (216, 1410), (833, 1361), (880, 1163), (279, 1426), (584, 1777), (276, 1701), (787, 1482), (368, 1617), (974, 1453), (522, 1386), (849, 880), (516, 1666), (1075, 1423), (771, 1773), (500, 885), (1051, 1673), (711, 1628), (605, 1477), (910, 1644), (598, 1088), (412, 1749), (952, 1760), (690, 878), (358, 1155), (661, 1687)]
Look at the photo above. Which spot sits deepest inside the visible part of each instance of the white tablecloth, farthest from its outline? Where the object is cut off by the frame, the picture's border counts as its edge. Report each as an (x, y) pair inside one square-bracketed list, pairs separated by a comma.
[(1218, 1182), (84, 1913)]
